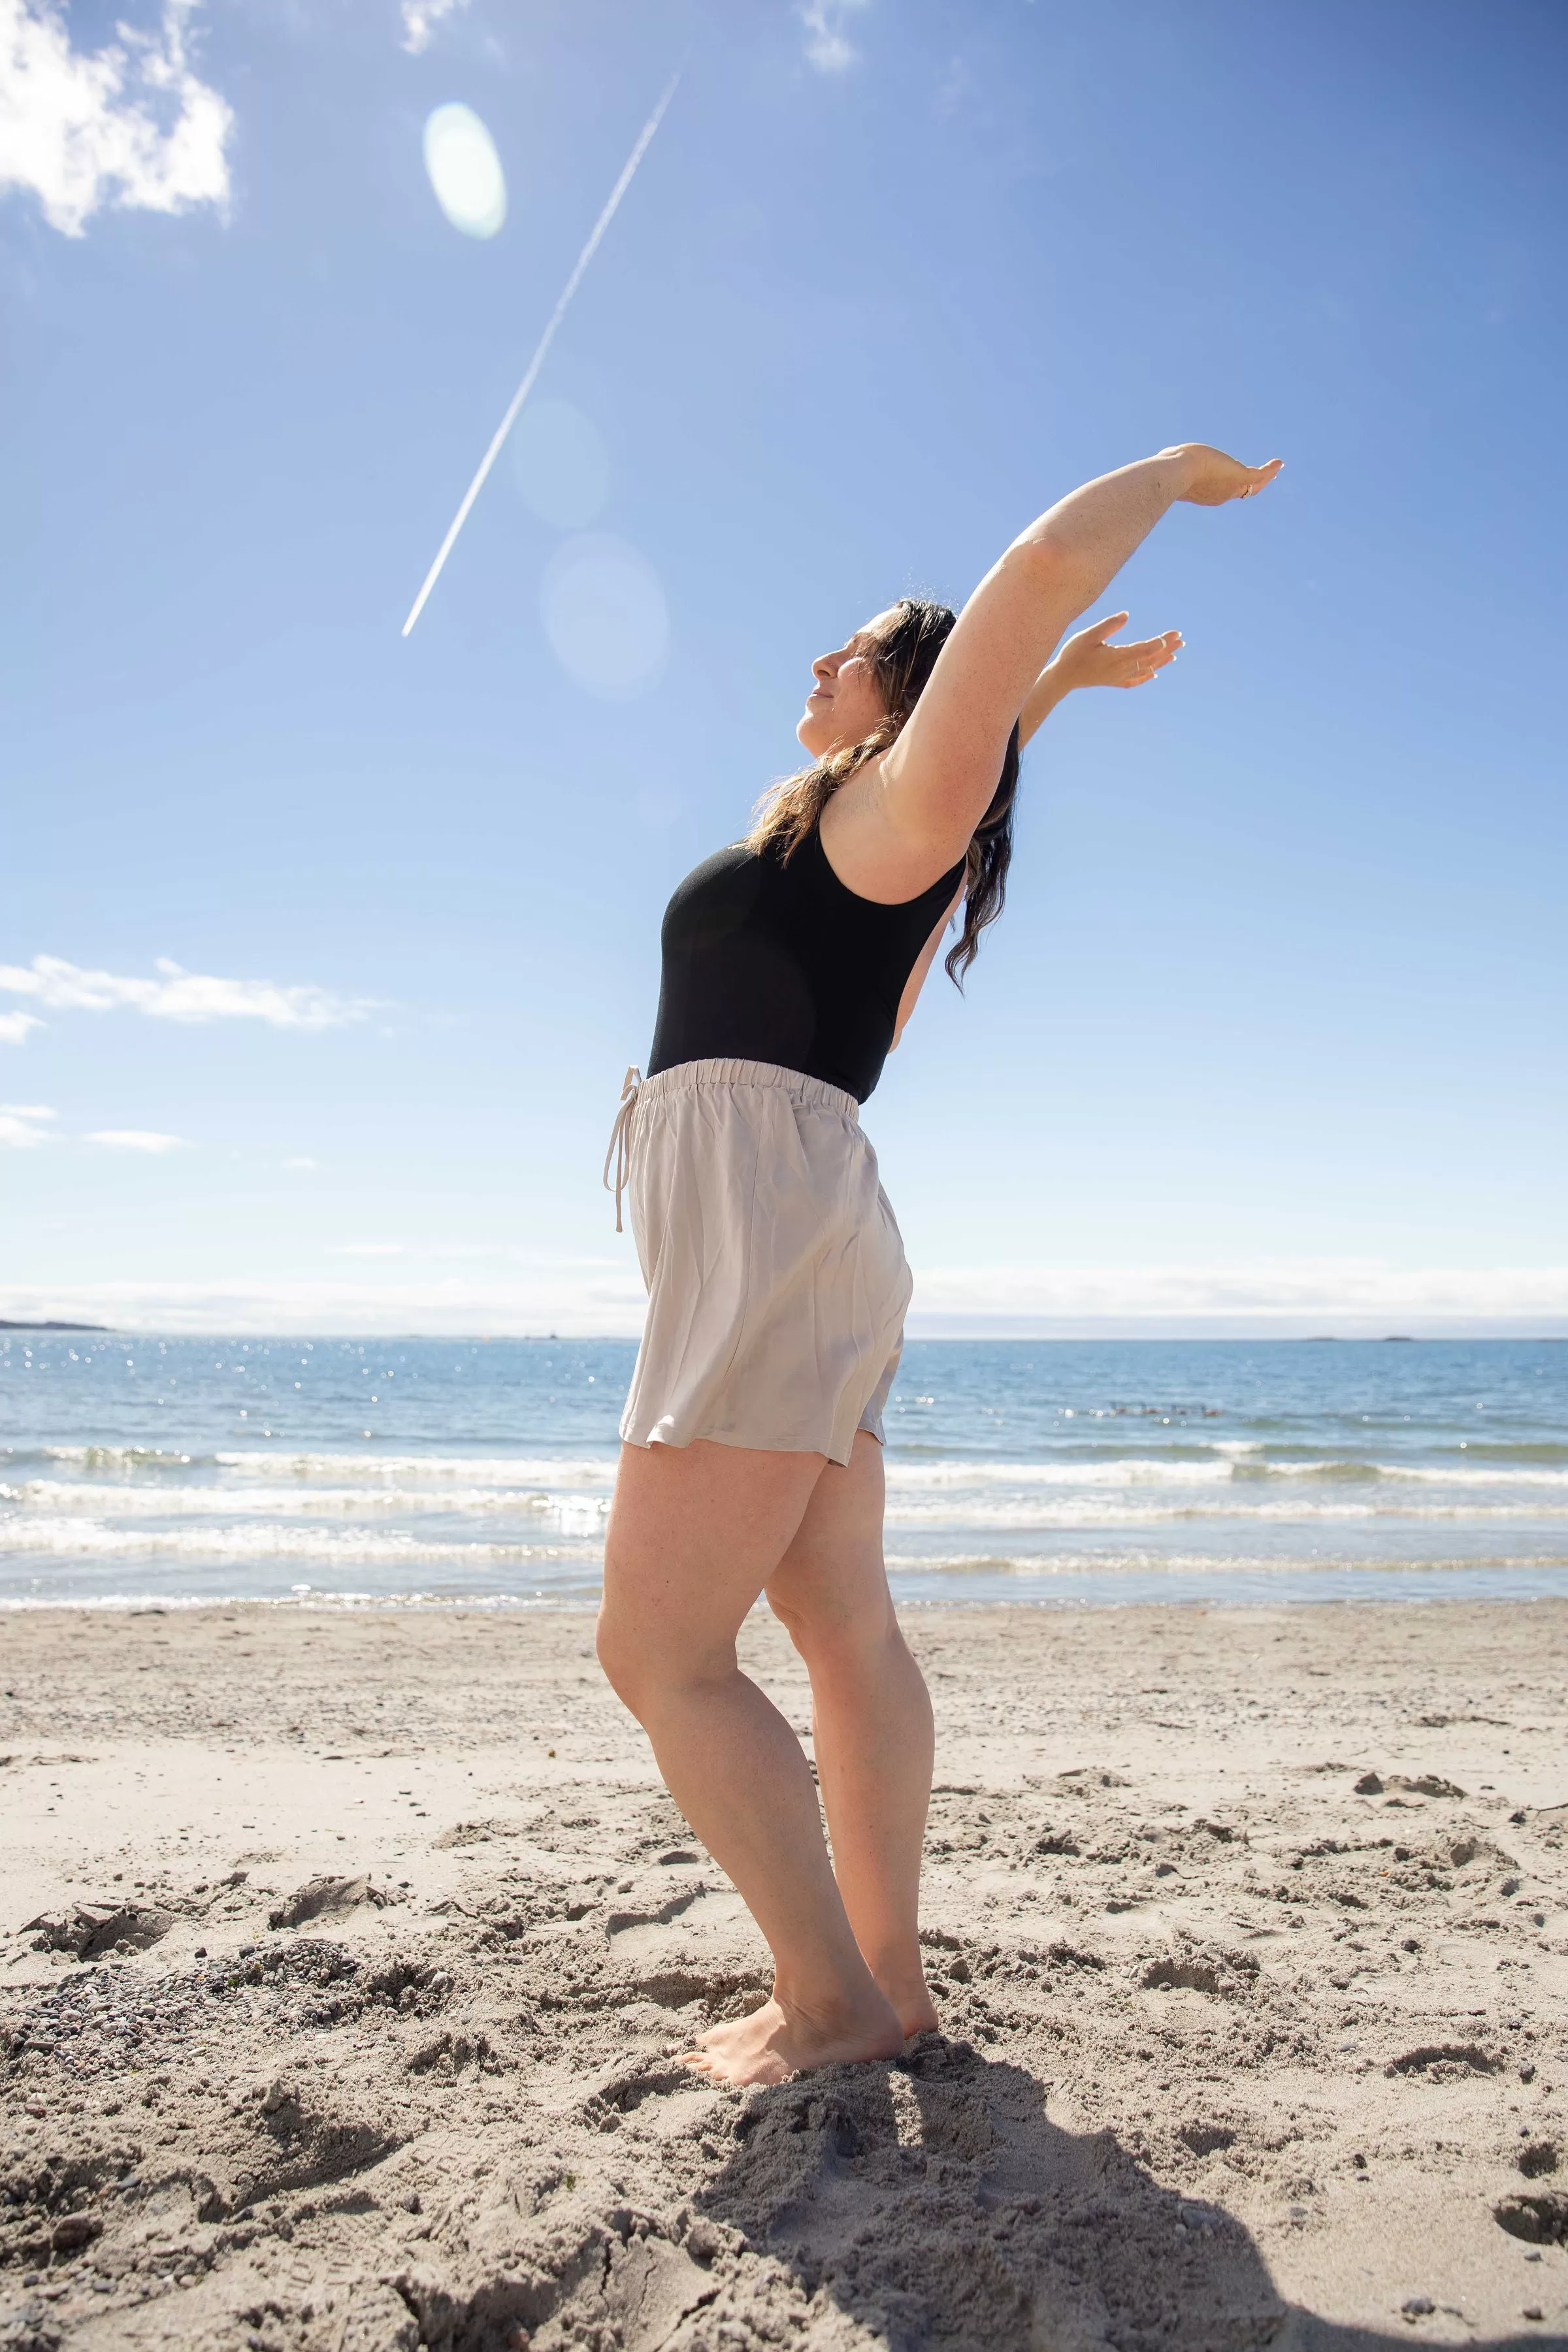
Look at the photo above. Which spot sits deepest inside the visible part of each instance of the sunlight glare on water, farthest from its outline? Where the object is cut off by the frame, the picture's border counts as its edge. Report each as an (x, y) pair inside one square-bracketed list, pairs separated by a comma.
[(606, 615), (560, 464), (1058, 1471), (465, 171)]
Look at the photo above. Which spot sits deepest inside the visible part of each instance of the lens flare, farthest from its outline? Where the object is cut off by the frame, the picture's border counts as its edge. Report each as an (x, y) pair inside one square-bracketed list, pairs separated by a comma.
[(465, 171), (560, 464), (605, 617), (658, 806), (563, 303)]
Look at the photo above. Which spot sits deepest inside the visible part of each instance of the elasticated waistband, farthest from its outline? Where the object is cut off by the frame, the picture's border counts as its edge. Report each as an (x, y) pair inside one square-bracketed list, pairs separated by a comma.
[(686, 1076)]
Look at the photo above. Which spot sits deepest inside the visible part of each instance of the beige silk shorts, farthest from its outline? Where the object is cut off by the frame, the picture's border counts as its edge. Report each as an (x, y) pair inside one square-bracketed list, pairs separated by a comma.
[(776, 1279)]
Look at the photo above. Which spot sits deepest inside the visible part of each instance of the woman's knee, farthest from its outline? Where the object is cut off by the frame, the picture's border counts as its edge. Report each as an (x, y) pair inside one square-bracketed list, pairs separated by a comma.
[(833, 1634), (626, 1658), (647, 1662)]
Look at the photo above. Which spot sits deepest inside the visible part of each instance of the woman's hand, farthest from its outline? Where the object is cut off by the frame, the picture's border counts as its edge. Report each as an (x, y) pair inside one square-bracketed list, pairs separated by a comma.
[(910, 814), (1089, 659), (1210, 478)]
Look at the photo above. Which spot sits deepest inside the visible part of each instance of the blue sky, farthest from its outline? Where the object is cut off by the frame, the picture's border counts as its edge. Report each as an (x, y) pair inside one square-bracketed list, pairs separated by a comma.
[(1270, 1035)]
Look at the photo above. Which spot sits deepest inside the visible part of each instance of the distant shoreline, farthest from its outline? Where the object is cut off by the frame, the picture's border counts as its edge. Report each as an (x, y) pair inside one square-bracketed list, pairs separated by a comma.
[(7, 1325)]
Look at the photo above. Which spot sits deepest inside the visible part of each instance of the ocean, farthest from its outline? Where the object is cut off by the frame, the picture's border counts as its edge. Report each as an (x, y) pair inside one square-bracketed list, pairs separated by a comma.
[(134, 1469)]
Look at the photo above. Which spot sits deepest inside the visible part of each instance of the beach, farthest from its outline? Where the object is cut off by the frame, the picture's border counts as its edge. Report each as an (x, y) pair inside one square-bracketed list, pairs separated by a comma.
[(349, 1953)]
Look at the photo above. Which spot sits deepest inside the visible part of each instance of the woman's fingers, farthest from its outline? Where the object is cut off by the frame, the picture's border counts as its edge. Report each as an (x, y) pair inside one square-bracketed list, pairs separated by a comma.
[(1154, 653), (1214, 477), (1147, 659), (1134, 663)]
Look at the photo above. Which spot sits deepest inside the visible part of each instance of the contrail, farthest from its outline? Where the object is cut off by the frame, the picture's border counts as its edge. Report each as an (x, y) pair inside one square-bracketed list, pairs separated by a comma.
[(546, 339)]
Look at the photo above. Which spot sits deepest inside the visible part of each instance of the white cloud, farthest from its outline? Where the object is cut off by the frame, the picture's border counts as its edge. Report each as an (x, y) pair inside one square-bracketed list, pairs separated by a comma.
[(1348, 1296), (130, 125), (420, 18), (180, 995), (20, 1127), (827, 45), (429, 1251), (603, 1297), (136, 1139), (580, 1299), (13, 1026), (298, 1161)]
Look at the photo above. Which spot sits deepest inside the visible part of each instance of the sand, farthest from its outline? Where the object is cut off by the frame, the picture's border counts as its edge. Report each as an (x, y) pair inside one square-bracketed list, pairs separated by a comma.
[(342, 1959)]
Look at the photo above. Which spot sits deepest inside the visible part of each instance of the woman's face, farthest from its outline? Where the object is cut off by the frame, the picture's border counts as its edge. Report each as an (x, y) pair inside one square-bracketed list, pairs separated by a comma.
[(845, 702)]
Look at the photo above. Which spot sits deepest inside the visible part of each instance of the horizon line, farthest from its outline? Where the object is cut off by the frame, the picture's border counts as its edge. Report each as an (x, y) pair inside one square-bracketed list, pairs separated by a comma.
[(973, 1328)]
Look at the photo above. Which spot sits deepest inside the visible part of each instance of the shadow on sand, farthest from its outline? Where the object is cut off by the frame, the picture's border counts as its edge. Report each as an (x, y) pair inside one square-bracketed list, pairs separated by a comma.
[(935, 2203)]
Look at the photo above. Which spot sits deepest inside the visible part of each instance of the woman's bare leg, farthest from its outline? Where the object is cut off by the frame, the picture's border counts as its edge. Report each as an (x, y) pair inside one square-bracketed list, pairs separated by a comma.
[(872, 1719), (695, 1533)]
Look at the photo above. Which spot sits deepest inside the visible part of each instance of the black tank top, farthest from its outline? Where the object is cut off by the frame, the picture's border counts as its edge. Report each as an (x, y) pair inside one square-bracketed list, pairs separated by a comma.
[(766, 962)]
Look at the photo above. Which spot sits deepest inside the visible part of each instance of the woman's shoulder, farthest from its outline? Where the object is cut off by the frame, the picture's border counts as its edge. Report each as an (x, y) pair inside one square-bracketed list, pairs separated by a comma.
[(732, 859)]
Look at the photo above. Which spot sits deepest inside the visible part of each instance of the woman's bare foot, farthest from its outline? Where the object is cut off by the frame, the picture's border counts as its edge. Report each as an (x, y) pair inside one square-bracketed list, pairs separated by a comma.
[(918, 2015), (775, 2041), (913, 2006), (902, 1981)]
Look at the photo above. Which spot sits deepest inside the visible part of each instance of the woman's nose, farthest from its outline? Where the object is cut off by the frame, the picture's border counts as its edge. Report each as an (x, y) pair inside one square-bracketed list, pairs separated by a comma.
[(826, 665)]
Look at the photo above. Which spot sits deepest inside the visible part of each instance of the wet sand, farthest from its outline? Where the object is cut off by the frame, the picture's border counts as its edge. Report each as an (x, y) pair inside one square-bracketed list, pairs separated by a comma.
[(343, 1959)]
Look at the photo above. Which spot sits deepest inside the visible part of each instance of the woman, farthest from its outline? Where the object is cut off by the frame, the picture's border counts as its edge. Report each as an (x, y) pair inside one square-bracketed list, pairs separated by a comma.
[(751, 1459)]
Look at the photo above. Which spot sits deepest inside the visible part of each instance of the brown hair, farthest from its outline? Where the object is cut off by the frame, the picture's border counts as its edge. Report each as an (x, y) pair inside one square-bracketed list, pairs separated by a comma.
[(904, 659)]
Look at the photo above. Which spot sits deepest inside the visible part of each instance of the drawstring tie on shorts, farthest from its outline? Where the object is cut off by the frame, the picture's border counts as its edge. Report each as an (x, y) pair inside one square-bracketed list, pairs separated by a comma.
[(620, 1149)]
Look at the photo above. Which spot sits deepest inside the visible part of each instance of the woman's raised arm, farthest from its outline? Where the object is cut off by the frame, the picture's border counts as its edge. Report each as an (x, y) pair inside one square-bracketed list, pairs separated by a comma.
[(1087, 659), (910, 815)]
